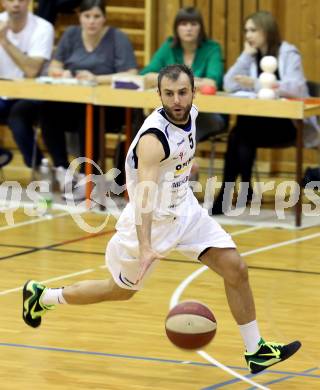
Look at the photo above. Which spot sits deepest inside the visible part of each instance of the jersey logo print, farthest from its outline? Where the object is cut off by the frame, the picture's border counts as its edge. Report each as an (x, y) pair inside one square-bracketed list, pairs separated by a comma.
[(180, 142), (126, 280)]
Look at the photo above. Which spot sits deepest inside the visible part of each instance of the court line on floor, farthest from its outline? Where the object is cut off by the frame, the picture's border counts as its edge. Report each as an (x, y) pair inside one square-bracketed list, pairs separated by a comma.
[(17, 254), (233, 381), (187, 281), (62, 277), (296, 271), (180, 289), (230, 371), (55, 279), (136, 357), (286, 377), (253, 267), (48, 217), (172, 260), (17, 246), (246, 230), (66, 276), (53, 246), (250, 252), (209, 358)]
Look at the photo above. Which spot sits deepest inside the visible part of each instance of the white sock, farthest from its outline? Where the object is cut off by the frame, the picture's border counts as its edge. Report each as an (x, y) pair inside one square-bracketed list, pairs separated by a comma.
[(251, 336), (53, 296)]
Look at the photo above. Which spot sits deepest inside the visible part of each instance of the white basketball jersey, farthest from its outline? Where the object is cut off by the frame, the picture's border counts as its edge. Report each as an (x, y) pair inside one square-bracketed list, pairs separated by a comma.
[(174, 193)]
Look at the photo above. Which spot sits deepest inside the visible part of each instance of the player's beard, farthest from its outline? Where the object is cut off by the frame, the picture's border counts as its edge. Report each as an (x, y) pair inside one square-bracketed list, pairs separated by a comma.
[(182, 117)]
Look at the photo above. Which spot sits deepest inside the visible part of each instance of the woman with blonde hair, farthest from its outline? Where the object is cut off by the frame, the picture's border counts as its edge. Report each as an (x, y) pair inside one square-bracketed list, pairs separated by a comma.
[(262, 38)]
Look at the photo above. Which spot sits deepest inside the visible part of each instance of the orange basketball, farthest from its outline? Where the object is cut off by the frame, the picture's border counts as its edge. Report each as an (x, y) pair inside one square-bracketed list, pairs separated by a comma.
[(190, 325)]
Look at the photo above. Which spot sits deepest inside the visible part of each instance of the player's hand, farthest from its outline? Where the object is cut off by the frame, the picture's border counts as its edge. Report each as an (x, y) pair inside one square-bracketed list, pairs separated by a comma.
[(147, 257), (249, 49), (244, 81)]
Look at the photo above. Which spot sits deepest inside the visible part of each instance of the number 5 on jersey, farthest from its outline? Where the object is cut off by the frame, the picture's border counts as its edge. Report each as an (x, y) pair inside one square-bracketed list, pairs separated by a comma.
[(191, 142)]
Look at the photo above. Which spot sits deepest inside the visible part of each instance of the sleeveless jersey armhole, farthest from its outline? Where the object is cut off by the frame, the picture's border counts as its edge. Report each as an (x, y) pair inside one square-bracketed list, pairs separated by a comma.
[(161, 137)]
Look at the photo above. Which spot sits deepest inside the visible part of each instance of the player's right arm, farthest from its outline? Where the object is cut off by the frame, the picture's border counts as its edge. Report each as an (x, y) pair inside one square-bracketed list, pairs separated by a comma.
[(150, 152)]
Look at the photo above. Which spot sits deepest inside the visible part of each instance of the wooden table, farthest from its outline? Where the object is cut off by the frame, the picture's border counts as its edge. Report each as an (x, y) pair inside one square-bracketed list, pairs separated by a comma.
[(106, 96), (225, 104), (30, 89)]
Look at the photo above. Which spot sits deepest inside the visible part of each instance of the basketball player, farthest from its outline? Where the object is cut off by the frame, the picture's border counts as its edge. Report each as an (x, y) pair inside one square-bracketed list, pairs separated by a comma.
[(162, 215)]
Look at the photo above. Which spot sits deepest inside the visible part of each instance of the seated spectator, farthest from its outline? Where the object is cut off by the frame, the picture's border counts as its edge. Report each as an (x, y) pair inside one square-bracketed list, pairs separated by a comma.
[(190, 46), (49, 10), (25, 44), (92, 52), (262, 37)]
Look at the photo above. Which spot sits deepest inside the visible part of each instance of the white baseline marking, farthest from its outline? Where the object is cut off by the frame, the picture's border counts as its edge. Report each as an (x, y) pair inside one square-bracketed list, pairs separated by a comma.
[(32, 221), (246, 230), (5, 292), (229, 370), (85, 271), (179, 290)]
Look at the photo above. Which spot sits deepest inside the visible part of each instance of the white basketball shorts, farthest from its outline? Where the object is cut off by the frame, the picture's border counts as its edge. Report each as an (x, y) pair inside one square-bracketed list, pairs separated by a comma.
[(190, 235)]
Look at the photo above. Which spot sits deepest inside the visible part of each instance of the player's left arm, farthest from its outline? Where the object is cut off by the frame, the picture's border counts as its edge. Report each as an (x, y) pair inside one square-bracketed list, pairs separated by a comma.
[(150, 152)]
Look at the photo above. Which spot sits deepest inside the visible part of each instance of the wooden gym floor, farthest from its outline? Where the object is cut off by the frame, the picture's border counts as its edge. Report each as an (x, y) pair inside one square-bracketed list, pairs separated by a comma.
[(119, 346)]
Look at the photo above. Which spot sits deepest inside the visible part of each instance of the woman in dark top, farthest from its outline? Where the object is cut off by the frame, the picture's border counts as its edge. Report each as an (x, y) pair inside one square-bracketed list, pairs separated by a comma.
[(92, 52)]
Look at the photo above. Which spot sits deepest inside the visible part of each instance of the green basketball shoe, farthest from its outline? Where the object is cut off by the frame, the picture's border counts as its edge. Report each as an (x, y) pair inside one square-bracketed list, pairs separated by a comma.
[(270, 353), (33, 309)]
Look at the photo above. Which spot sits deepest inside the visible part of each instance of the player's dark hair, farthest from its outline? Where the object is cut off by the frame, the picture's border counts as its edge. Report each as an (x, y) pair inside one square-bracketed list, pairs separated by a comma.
[(265, 21), (173, 72), (188, 14), (86, 5)]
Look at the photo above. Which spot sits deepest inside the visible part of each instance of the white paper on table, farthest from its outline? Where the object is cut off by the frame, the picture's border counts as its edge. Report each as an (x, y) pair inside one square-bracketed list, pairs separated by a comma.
[(64, 81), (245, 94)]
